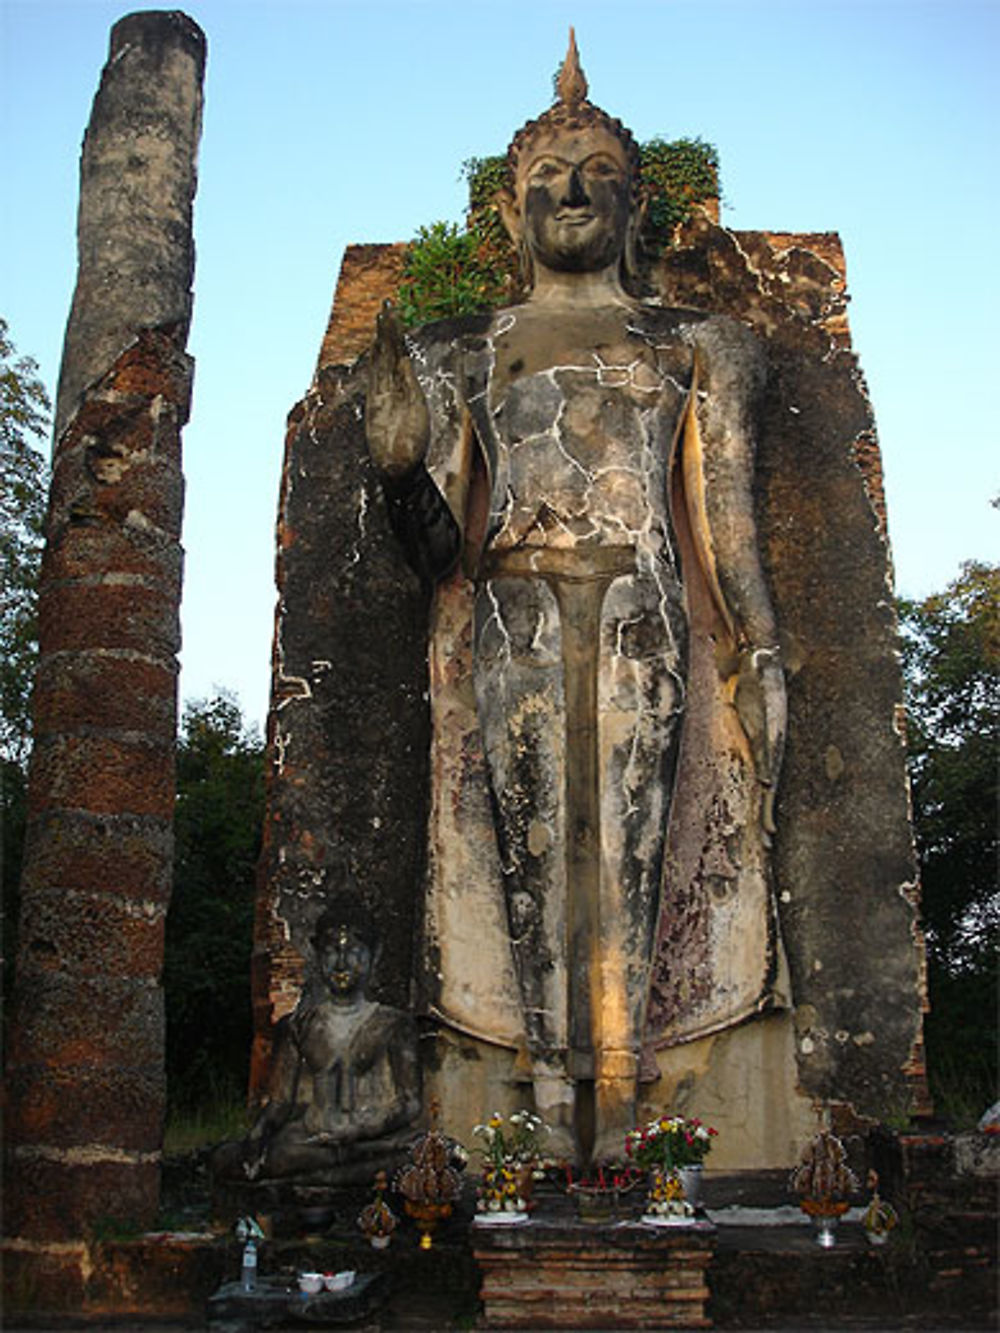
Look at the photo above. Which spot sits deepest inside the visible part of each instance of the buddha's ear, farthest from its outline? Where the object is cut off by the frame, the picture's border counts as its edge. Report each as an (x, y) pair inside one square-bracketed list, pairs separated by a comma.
[(632, 247), (510, 214), (641, 208)]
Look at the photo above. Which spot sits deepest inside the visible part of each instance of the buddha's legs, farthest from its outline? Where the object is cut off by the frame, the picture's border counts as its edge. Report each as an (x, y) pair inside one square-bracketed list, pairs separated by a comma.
[(639, 704), (519, 690), (579, 695)]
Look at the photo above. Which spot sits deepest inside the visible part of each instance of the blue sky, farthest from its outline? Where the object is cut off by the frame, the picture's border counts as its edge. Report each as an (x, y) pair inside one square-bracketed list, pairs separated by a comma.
[(330, 121)]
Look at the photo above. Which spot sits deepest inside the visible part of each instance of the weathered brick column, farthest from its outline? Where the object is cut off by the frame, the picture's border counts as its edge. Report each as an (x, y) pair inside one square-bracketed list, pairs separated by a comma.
[(85, 1077)]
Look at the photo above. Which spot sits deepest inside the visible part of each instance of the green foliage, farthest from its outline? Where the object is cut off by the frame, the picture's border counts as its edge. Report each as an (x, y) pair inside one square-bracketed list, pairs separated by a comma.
[(109, 1228), (24, 406), (453, 271), (675, 176), (449, 272), (951, 660), (215, 1120), (23, 490), (218, 818), (961, 1045), (486, 177), (951, 653)]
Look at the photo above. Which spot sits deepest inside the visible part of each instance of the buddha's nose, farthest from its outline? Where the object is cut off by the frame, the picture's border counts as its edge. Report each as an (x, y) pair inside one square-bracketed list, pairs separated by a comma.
[(576, 195)]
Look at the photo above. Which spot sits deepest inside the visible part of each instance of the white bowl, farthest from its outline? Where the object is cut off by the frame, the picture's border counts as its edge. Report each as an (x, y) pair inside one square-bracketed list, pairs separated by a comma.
[(310, 1283), (339, 1281)]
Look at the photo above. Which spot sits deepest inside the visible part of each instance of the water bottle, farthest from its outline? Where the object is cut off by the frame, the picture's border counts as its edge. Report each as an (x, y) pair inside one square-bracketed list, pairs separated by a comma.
[(248, 1276)]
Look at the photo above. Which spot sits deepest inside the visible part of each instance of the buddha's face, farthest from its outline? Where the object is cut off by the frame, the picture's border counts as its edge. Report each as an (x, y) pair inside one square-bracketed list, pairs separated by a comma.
[(573, 199), (345, 960)]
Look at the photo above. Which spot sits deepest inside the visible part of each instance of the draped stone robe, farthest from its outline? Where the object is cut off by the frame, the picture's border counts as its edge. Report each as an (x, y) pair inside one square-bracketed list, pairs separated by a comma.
[(571, 916)]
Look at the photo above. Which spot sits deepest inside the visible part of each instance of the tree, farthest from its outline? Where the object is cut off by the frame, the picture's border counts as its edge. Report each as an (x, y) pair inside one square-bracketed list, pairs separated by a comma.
[(217, 828), (951, 659), (24, 405)]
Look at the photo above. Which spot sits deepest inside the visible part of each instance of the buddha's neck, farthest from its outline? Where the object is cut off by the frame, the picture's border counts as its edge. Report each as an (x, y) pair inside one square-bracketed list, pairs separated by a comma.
[(557, 289)]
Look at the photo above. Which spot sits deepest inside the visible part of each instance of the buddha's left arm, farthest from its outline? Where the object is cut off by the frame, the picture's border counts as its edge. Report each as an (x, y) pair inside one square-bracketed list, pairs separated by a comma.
[(719, 463)]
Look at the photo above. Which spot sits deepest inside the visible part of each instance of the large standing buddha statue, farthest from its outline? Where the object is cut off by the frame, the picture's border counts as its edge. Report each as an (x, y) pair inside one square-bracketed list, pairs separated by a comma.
[(576, 471)]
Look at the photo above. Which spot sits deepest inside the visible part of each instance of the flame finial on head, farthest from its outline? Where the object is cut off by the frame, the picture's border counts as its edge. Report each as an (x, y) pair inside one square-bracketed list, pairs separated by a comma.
[(571, 85), (572, 111)]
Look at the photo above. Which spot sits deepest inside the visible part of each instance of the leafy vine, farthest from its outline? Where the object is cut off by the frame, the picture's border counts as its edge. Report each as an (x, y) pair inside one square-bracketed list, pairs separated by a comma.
[(452, 270)]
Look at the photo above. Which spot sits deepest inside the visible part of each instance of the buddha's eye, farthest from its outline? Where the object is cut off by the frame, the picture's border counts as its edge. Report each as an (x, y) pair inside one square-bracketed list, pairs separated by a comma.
[(602, 167), (545, 171)]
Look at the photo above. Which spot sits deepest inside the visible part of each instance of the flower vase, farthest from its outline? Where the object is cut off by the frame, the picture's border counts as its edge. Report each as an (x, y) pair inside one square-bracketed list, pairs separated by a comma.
[(825, 1213), (691, 1178), (826, 1229), (427, 1216), (524, 1177)]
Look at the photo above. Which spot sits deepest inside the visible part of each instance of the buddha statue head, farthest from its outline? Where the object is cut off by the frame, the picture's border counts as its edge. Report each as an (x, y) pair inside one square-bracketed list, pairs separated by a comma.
[(344, 945), (573, 199)]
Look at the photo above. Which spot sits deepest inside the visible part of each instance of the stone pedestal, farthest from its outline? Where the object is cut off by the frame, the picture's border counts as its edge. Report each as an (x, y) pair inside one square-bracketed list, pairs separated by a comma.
[(560, 1273)]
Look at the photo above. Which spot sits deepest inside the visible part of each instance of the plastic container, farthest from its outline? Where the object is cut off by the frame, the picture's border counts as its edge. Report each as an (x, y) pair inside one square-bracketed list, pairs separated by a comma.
[(248, 1273), (339, 1281)]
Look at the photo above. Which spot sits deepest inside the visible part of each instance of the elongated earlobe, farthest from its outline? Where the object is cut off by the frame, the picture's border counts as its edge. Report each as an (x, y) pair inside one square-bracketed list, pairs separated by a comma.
[(630, 257), (510, 214)]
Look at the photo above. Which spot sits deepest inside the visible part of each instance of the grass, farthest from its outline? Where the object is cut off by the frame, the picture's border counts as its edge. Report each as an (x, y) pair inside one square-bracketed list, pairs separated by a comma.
[(962, 1090), (223, 1115)]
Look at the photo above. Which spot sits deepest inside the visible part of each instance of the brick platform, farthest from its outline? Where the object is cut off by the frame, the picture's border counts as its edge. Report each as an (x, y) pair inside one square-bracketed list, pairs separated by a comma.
[(561, 1273)]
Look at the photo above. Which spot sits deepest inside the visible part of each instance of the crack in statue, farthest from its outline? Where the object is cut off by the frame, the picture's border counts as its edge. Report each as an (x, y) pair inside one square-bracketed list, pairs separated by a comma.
[(587, 459)]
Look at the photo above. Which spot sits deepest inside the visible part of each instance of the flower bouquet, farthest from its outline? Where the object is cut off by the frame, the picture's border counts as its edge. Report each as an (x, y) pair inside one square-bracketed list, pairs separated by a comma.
[(672, 1149), (670, 1142), (511, 1155), (665, 1202)]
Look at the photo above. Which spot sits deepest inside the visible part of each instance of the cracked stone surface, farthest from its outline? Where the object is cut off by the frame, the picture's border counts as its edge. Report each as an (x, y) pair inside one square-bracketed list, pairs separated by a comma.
[(85, 1074), (733, 937)]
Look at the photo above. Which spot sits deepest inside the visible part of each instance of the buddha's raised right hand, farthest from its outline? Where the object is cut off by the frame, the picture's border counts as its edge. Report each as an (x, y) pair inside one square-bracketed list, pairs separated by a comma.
[(397, 422)]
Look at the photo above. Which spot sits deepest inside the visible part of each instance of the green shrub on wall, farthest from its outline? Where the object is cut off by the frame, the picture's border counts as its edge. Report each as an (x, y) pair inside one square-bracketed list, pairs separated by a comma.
[(675, 176), (448, 272), (452, 270)]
